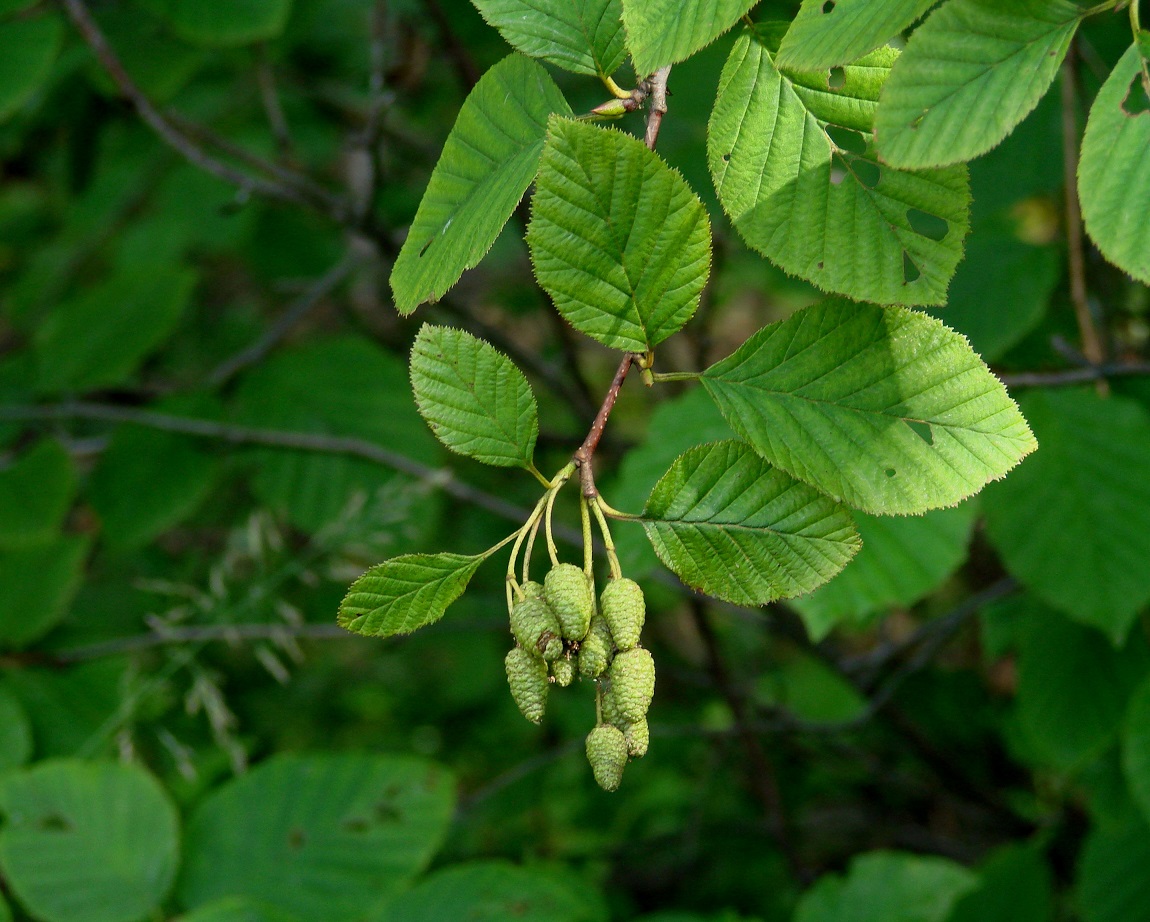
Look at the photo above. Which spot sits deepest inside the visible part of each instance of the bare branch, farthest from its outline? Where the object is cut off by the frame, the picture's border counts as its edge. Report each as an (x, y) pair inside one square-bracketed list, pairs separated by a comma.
[(1074, 375), (657, 105)]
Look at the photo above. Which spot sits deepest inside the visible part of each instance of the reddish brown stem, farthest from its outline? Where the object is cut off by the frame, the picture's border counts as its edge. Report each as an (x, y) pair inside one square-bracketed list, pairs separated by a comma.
[(586, 452), (657, 106)]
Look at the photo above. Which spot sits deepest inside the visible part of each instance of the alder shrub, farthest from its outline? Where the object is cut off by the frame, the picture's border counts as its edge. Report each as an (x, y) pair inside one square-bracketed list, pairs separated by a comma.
[(674, 345)]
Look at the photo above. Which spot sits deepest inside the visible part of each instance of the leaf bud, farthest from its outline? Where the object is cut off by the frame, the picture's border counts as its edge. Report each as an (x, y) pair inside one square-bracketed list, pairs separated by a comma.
[(607, 753), (622, 605), (535, 627), (595, 651), (568, 592), (632, 677), (527, 676)]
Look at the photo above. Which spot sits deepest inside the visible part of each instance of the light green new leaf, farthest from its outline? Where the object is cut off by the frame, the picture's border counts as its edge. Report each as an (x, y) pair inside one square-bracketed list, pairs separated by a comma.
[(584, 36), (617, 237), (406, 593), (1073, 523), (488, 161), (236, 22), (1114, 172), (87, 841), (881, 407), (735, 528), (473, 397), (663, 32), (826, 34), (793, 163), (28, 48), (970, 73), (888, 887), (1112, 883), (1136, 747)]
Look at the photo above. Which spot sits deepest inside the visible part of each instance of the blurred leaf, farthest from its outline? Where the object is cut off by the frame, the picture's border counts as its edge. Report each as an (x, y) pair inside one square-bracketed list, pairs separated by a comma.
[(1072, 689), (730, 525), (37, 584), (404, 594), (15, 732), (122, 320), (668, 31), (489, 160), (323, 837), (87, 841), (970, 73), (148, 481), (1015, 886), (812, 692), (14, 6), (28, 49), (826, 34), (1114, 172), (237, 909), (35, 495), (617, 238), (345, 386), (901, 561), (1136, 747), (1073, 523), (487, 891), (793, 163), (474, 398), (1112, 883), (894, 413), (234, 22), (888, 887), (159, 64), (585, 36)]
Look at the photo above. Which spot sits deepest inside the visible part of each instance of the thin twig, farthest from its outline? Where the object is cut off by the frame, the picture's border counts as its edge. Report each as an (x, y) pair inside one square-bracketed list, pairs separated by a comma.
[(315, 293), (1074, 375), (585, 454), (657, 105), (270, 98)]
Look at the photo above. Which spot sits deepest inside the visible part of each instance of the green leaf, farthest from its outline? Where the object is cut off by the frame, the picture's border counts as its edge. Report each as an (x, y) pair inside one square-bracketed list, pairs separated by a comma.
[(345, 386), (15, 732), (35, 495), (1073, 688), (1014, 886), (237, 909), (811, 690), (1073, 523), (69, 708), (617, 237), (404, 594), (28, 49), (733, 527), (236, 22), (489, 159), (668, 31), (1112, 883), (826, 34), (901, 561), (488, 891), (37, 584), (584, 36), (87, 841), (324, 838), (14, 6), (883, 408), (888, 887), (793, 162), (1136, 747), (1114, 171), (970, 73), (123, 320), (474, 398)]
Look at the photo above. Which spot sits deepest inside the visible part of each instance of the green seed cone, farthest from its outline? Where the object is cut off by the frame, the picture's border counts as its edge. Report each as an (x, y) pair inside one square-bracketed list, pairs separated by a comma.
[(568, 592), (563, 670), (527, 676), (638, 736), (595, 651), (632, 677), (622, 605), (534, 625), (607, 753)]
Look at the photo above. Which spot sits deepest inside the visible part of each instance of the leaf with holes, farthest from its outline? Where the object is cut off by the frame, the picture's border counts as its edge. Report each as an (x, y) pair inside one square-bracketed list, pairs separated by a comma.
[(617, 237), (826, 33), (406, 593), (881, 407), (473, 397), (793, 162), (1114, 172), (584, 36), (970, 73), (487, 163), (735, 528), (663, 32)]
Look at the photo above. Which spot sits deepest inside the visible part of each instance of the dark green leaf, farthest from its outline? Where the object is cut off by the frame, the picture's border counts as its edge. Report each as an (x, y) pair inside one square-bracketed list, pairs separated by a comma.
[(28, 49), (1112, 883), (235, 22), (1014, 886), (35, 495), (15, 732), (1136, 747), (37, 583)]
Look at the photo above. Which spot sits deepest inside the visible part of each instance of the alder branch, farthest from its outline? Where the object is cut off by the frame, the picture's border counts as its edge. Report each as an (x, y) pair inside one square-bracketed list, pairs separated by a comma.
[(657, 105), (585, 454), (1075, 375)]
